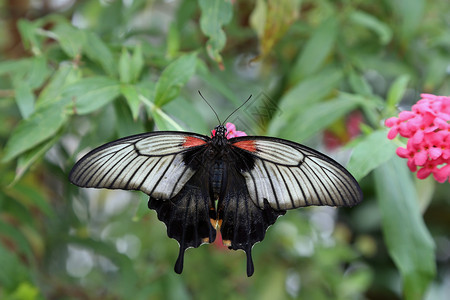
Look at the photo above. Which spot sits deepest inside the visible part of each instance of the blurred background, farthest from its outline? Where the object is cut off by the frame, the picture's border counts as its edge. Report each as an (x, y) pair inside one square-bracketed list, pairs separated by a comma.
[(77, 74)]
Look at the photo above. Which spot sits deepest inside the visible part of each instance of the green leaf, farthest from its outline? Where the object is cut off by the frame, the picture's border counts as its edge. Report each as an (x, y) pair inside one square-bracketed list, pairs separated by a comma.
[(409, 14), (90, 94), (25, 290), (174, 77), (316, 50), (355, 282), (14, 270), (370, 152), (18, 238), (397, 90), (132, 96), (97, 51), (162, 120), (24, 98), (27, 78), (137, 63), (66, 74), (173, 40), (215, 14), (383, 31), (425, 191), (272, 287), (142, 208), (38, 73), (103, 130), (31, 156), (318, 117), (359, 84), (408, 241), (71, 39), (31, 195), (311, 90), (41, 125), (32, 72), (304, 94), (125, 125), (216, 83), (271, 20), (15, 66), (371, 108), (436, 69), (30, 39), (125, 66), (183, 110)]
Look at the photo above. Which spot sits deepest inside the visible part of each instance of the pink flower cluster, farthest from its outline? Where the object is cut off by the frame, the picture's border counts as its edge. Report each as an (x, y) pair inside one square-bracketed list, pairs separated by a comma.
[(231, 131), (427, 127)]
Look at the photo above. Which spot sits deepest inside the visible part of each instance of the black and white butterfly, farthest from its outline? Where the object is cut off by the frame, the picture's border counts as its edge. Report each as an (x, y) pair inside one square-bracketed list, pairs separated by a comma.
[(253, 179)]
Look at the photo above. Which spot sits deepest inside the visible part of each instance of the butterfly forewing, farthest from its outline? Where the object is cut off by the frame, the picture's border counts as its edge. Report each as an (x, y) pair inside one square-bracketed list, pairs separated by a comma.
[(289, 175), (152, 162)]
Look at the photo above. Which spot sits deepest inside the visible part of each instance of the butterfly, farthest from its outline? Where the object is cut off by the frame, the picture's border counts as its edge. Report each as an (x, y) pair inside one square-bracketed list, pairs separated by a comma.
[(253, 180)]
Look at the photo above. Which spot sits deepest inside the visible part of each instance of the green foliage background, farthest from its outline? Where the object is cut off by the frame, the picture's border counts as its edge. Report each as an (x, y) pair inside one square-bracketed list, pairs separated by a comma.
[(77, 76)]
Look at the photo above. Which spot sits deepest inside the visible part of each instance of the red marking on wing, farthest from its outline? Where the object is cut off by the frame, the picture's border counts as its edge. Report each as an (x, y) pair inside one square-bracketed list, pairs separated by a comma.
[(191, 141), (246, 145)]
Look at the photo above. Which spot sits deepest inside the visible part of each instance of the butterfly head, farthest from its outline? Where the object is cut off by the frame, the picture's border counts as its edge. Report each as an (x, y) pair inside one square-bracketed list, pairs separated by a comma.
[(220, 131)]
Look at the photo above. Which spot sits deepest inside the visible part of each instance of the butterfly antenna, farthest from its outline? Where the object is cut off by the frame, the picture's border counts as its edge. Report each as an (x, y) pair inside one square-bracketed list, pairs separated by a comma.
[(237, 108), (209, 106)]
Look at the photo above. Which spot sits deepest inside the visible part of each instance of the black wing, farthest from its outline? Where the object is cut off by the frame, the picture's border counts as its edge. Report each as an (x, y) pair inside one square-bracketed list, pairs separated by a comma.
[(188, 215), (288, 175), (242, 223), (191, 218), (151, 162)]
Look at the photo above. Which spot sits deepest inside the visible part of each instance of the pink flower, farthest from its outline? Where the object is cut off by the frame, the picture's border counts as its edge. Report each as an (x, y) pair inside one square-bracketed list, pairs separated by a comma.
[(427, 127), (231, 131)]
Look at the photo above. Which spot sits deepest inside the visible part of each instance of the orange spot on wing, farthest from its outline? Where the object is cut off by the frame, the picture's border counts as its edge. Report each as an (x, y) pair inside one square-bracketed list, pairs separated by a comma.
[(246, 145), (216, 223), (213, 223), (226, 243), (191, 141)]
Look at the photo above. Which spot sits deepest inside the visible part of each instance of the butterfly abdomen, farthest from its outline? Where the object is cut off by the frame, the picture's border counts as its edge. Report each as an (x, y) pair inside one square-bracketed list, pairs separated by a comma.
[(216, 178)]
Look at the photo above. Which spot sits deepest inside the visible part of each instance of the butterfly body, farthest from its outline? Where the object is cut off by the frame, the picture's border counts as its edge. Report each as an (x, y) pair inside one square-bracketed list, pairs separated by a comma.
[(199, 185)]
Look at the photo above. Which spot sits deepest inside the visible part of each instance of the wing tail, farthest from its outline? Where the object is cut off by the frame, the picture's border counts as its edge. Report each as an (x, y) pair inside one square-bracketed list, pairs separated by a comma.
[(243, 223), (187, 217)]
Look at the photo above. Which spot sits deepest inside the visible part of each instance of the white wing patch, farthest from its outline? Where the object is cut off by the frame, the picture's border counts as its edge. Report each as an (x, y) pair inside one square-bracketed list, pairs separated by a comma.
[(278, 153), (289, 175), (152, 163)]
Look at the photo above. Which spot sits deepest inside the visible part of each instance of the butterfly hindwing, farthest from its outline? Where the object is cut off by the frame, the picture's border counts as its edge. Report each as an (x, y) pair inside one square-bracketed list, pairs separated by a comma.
[(242, 222), (187, 215), (289, 175)]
